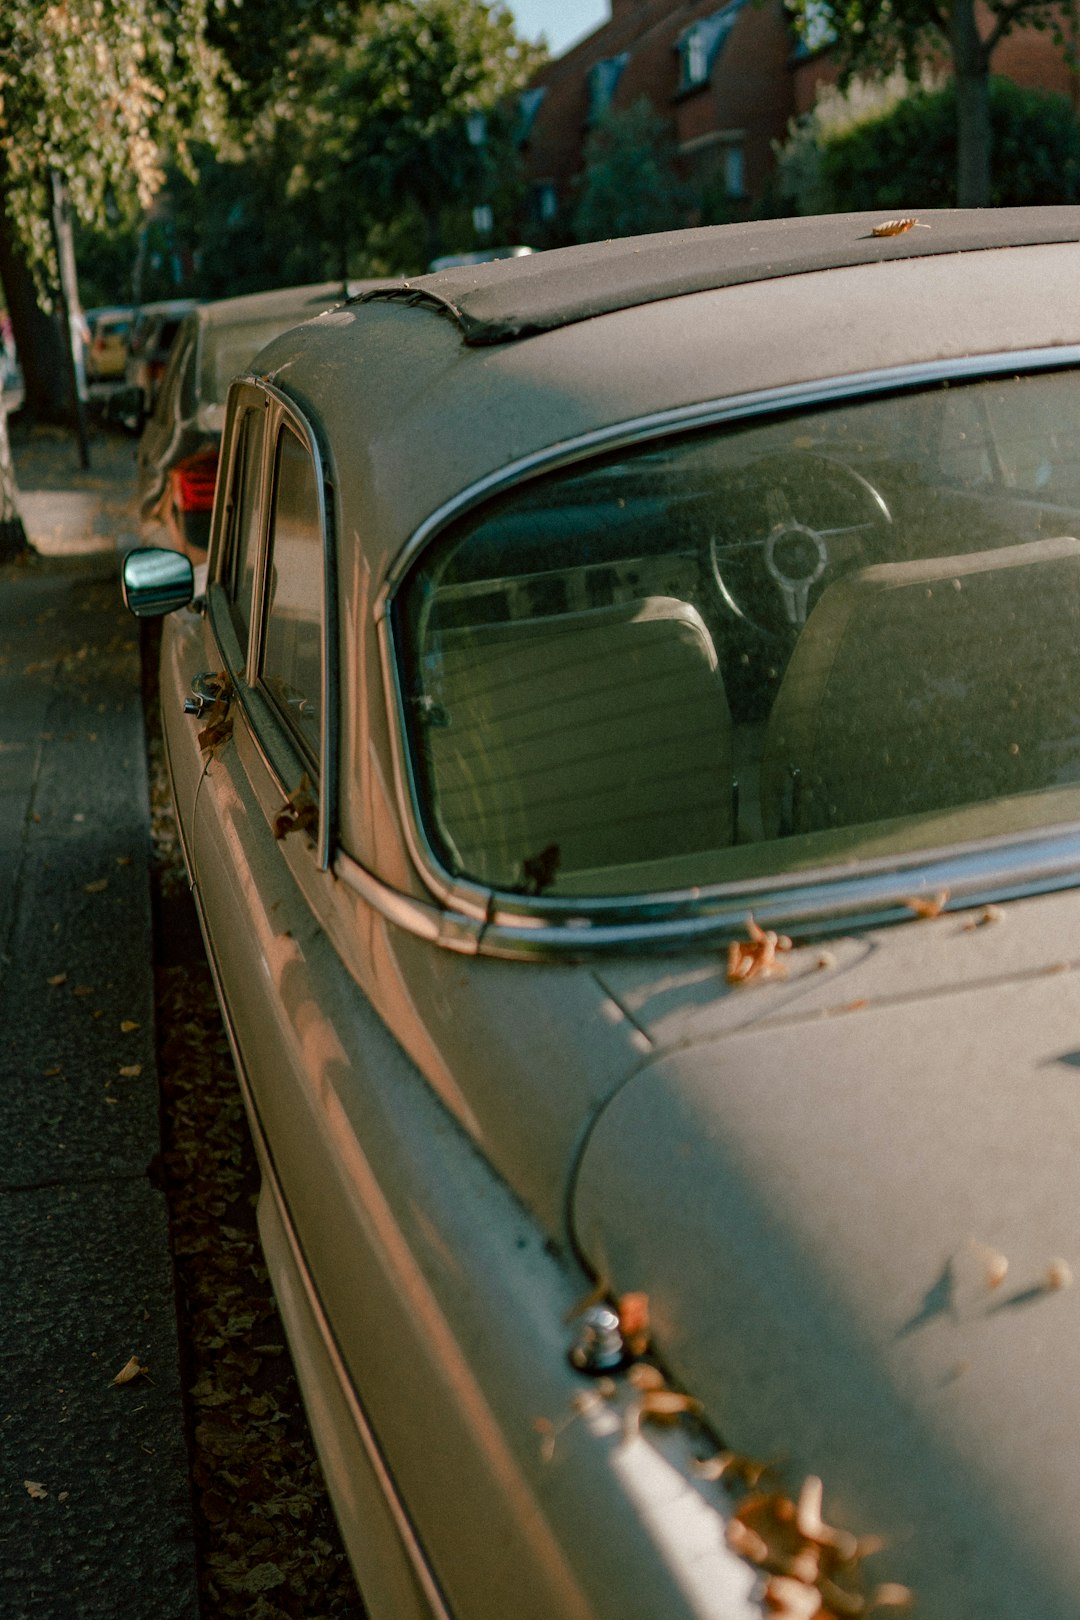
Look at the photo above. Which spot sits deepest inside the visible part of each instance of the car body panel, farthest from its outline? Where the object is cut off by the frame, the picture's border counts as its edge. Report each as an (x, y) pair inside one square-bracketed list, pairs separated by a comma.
[(871, 1167), (447, 1276)]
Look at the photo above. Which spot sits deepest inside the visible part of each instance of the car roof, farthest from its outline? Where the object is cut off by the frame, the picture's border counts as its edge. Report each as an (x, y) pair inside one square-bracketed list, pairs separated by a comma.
[(418, 419), (313, 297), (554, 289)]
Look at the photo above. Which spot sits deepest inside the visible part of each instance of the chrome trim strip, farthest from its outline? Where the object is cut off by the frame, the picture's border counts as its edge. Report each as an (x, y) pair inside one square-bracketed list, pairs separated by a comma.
[(279, 408), (833, 899), (369, 1441), (549, 929)]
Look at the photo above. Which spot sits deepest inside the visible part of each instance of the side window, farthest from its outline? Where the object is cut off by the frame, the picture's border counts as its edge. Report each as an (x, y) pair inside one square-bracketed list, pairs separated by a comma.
[(168, 402), (291, 667), (246, 510)]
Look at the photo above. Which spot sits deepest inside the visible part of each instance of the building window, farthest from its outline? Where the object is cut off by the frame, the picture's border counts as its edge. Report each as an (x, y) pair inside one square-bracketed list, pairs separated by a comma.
[(700, 44), (734, 171), (528, 106), (543, 201), (602, 79)]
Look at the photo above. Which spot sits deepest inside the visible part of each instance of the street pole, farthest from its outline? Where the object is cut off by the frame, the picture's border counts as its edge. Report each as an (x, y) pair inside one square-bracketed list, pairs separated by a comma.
[(64, 248)]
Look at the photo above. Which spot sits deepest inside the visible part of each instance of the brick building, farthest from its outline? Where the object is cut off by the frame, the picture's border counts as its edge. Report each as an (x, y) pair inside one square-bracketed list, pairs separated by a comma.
[(726, 79)]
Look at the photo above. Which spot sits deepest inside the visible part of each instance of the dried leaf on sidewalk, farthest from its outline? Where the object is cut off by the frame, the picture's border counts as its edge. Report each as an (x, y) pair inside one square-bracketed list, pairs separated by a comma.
[(132, 1369), (35, 1489)]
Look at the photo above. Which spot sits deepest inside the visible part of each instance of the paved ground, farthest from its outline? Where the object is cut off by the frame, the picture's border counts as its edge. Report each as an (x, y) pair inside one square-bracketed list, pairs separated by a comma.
[(95, 1519)]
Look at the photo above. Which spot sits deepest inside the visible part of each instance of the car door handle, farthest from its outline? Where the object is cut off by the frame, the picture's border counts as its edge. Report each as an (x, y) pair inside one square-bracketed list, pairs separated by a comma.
[(206, 690)]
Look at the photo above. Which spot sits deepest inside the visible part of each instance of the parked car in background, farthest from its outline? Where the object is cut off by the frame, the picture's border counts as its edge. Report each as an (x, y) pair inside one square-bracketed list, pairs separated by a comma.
[(178, 450), (458, 261), (106, 354), (153, 328), (627, 755)]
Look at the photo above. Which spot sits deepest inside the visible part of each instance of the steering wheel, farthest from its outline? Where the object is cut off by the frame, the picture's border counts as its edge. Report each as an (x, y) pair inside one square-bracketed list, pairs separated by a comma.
[(792, 522)]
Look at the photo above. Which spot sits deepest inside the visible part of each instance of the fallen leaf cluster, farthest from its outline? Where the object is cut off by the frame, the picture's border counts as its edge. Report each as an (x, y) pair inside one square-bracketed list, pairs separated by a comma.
[(810, 1568), (757, 957), (269, 1548), (813, 1569)]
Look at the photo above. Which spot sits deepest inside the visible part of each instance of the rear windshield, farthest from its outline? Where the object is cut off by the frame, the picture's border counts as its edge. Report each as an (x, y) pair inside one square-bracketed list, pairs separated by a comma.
[(755, 650)]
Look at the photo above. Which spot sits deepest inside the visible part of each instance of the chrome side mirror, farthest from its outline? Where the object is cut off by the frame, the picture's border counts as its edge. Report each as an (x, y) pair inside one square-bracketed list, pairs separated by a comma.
[(156, 581)]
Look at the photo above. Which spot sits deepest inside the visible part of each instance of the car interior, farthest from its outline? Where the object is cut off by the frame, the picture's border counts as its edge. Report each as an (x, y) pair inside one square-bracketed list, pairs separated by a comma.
[(738, 651)]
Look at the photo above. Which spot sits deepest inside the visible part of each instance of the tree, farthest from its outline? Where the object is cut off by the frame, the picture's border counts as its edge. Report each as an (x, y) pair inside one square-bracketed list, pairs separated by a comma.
[(100, 93), (875, 36), (403, 120), (629, 185)]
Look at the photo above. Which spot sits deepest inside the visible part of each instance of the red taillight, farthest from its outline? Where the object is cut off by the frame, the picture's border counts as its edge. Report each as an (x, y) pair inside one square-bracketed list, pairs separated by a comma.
[(193, 481)]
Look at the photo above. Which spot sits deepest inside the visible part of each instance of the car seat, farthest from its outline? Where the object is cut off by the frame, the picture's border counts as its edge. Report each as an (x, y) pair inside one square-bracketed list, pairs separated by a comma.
[(922, 685), (578, 740)]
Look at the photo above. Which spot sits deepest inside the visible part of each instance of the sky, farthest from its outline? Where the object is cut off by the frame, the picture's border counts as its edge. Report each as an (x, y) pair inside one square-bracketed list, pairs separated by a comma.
[(563, 21)]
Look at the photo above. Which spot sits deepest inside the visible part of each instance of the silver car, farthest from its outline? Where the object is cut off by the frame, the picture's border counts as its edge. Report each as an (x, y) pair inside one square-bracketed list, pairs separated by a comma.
[(178, 450), (627, 753)]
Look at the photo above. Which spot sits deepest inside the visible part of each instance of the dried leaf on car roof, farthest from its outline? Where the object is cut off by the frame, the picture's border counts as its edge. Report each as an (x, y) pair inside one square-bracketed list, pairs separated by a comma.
[(36, 1489), (897, 227), (98, 886), (300, 813)]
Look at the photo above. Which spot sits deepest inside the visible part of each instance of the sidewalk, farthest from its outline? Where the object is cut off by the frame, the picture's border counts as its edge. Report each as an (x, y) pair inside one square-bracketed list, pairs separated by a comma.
[(95, 1516), (68, 510)]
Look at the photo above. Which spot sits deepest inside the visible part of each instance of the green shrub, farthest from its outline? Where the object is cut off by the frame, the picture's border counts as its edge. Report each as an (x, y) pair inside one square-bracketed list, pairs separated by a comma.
[(906, 158)]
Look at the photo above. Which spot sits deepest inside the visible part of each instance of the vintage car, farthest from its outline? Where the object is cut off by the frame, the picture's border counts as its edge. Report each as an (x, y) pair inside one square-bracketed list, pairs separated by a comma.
[(628, 762)]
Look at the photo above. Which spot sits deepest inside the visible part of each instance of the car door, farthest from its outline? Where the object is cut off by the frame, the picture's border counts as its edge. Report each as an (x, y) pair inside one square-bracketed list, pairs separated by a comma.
[(262, 837)]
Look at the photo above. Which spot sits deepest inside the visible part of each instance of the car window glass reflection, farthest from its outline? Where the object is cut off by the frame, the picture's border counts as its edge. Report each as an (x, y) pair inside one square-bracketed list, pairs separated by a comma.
[(292, 643), (820, 638)]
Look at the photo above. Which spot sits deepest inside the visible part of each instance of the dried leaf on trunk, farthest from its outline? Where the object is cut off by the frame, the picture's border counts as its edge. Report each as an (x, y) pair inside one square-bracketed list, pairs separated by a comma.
[(633, 1312)]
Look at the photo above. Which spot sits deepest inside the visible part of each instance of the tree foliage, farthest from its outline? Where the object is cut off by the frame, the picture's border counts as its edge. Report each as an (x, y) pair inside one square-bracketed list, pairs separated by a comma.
[(876, 36), (405, 116), (629, 183), (903, 157), (104, 92)]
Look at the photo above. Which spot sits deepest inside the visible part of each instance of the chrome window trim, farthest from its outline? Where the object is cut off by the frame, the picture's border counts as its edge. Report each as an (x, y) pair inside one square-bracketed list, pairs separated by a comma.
[(281, 410), (820, 901)]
